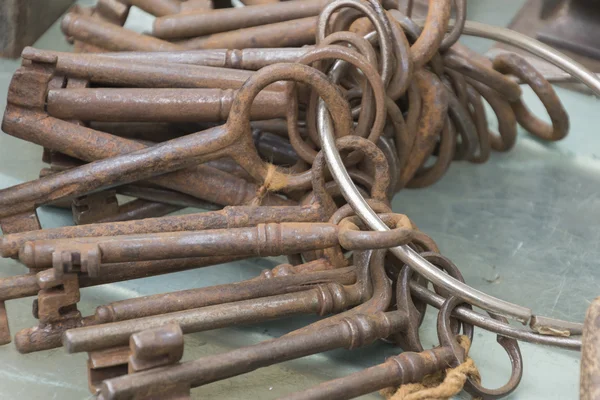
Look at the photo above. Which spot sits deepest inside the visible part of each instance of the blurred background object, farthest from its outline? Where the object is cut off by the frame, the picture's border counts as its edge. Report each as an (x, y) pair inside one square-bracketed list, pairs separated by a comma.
[(573, 26), (22, 22)]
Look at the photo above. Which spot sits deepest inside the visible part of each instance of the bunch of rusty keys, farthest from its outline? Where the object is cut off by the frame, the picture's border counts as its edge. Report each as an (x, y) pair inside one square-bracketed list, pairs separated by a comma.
[(22, 119), (28, 104), (324, 299), (357, 327), (261, 240), (284, 24), (114, 107)]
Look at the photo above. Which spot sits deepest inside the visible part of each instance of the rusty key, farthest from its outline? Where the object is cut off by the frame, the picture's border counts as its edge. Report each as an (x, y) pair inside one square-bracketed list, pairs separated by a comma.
[(114, 71), (293, 33), (157, 105), (228, 19)]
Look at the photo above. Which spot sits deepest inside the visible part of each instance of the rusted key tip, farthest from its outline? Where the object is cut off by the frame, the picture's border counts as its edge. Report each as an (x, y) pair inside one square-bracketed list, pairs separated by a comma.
[(27, 254), (67, 342), (4, 247), (104, 314), (33, 54), (65, 24), (22, 344)]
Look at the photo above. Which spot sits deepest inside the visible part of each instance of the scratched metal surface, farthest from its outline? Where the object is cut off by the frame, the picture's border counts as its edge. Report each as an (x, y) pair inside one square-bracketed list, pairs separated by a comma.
[(522, 227)]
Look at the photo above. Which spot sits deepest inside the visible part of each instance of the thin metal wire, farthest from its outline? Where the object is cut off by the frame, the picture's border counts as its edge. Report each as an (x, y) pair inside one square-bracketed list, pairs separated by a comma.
[(560, 77), (492, 325)]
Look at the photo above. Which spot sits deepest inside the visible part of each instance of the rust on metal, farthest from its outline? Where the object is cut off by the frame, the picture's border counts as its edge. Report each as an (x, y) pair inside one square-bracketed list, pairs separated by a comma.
[(223, 108)]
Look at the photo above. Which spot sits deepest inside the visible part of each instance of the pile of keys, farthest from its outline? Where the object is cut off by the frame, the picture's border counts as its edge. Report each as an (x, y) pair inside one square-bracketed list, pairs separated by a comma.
[(292, 125)]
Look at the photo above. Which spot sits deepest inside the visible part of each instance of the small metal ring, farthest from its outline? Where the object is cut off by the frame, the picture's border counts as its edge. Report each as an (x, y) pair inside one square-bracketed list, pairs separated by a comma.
[(448, 338)]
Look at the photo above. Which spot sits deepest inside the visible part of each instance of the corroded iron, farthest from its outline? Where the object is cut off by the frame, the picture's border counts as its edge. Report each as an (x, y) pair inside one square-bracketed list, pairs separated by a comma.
[(239, 123)]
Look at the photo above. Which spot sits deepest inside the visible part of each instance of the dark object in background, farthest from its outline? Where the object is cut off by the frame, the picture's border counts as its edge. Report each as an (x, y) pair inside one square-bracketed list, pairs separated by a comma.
[(572, 25), (541, 19), (22, 22)]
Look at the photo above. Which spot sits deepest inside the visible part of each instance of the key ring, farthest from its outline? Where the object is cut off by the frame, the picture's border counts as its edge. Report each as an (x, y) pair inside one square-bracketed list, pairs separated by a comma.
[(405, 253)]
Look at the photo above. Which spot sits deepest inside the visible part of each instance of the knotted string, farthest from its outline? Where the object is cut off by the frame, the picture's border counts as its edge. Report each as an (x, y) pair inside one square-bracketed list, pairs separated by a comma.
[(273, 181), (438, 386)]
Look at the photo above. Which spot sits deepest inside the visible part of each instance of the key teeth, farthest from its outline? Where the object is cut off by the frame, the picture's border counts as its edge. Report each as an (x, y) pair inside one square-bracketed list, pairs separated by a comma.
[(155, 347), (67, 343), (94, 207)]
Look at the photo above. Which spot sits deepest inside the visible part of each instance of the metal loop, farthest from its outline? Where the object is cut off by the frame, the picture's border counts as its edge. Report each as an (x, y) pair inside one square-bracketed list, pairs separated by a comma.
[(456, 31), (518, 66), (351, 237), (377, 18), (448, 338), (239, 117)]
